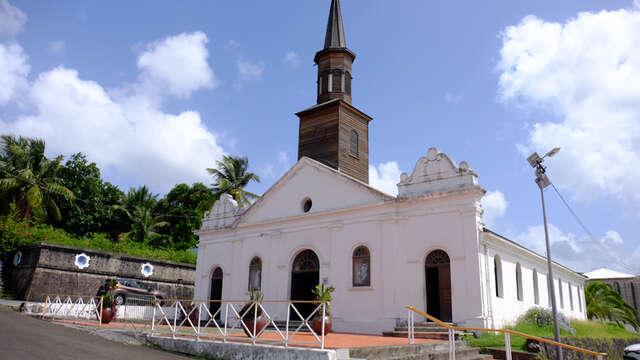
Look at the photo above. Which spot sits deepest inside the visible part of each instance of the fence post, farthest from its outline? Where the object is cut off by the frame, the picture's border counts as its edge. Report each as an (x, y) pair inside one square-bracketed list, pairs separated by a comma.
[(254, 335), (199, 320), (153, 319), (100, 319), (507, 345), (226, 318), (46, 303), (175, 320), (452, 345), (324, 311)]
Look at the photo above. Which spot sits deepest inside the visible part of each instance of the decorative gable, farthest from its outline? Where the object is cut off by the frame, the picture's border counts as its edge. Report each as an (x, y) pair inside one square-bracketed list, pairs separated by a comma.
[(222, 215), (311, 187), (434, 173)]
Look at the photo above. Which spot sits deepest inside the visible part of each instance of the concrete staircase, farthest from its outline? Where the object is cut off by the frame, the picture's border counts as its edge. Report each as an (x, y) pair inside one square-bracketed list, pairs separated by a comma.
[(423, 330), (431, 351)]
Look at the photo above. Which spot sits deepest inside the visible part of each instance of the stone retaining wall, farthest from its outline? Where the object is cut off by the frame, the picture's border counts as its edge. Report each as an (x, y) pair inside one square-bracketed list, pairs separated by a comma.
[(53, 269), (613, 347)]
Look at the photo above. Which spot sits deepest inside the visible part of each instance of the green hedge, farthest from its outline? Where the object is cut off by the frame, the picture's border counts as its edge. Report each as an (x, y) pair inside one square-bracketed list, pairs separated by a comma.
[(15, 234)]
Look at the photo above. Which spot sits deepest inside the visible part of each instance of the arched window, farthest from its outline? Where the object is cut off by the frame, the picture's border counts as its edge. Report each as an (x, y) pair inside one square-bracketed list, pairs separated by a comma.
[(497, 272), (255, 274), (337, 81), (353, 148), (560, 294), (320, 84), (536, 290), (579, 290), (361, 267), (347, 83), (570, 296), (519, 282)]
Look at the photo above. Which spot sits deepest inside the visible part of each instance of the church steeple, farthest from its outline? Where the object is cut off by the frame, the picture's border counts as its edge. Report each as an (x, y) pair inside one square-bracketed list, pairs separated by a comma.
[(335, 31), (334, 60), (335, 132)]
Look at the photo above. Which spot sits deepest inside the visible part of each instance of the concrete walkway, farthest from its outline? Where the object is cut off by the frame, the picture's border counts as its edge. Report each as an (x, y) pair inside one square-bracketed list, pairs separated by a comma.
[(24, 337)]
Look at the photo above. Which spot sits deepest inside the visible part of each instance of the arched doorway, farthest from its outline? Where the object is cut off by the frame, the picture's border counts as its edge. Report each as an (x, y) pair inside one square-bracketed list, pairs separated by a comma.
[(216, 291), (438, 285), (305, 275)]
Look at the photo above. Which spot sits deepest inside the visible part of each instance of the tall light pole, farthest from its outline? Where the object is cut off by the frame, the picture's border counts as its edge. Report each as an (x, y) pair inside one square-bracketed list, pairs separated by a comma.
[(543, 181)]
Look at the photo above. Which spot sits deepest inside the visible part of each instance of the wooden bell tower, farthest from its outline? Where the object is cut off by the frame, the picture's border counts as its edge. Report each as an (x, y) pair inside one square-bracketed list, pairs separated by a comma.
[(333, 131)]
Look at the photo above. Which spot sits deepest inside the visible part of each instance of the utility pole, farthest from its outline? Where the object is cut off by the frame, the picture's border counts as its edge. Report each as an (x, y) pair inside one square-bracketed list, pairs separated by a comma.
[(543, 181)]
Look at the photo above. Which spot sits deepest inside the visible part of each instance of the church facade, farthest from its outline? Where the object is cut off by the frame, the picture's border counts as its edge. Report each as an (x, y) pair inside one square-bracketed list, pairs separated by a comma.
[(322, 223)]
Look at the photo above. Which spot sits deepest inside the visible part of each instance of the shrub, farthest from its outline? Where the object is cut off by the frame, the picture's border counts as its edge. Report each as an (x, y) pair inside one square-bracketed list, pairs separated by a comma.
[(15, 234), (543, 317)]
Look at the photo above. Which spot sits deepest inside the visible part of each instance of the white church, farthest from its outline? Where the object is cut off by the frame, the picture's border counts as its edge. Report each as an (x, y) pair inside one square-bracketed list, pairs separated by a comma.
[(321, 222)]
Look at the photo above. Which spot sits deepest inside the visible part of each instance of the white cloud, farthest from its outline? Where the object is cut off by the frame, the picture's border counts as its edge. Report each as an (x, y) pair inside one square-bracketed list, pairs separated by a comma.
[(452, 98), (177, 64), (128, 136), (275, 169), (385, 177), (14, 70), (248, 70), (293, 59), (580, 253), (56, 47), (494, 206), (11, 19), (585, 72)]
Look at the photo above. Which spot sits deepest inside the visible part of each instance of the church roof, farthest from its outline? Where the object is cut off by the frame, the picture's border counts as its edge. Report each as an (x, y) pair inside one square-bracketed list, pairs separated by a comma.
[(335, 30), (607, 274)]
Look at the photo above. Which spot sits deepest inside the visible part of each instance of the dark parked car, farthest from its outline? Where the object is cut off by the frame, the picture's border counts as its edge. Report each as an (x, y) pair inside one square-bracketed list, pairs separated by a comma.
[(122, 289)]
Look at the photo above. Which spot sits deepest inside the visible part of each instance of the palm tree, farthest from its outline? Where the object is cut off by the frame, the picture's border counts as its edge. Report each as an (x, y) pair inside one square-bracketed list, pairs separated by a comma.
[(28, 179), (144, 225), (604, 303), (138, 205), (231, 178)]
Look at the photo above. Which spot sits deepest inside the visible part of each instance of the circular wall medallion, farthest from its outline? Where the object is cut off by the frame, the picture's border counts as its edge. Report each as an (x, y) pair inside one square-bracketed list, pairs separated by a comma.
[(146, 269), (17, 258), (82, 261)]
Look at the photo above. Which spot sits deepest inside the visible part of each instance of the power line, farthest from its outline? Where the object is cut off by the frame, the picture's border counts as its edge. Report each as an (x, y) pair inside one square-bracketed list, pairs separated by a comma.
[(590, 234)]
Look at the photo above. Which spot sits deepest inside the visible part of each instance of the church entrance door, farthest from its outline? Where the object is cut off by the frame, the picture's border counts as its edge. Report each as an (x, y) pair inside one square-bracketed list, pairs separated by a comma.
[(305, 275), (438, 285), (216, 291)]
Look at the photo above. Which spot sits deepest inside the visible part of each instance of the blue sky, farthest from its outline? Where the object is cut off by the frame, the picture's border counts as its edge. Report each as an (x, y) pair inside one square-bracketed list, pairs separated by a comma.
[(155, 91)]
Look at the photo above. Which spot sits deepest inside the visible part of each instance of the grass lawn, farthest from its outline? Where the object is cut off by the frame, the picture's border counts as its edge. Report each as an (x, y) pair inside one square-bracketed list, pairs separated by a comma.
[(592, 329)]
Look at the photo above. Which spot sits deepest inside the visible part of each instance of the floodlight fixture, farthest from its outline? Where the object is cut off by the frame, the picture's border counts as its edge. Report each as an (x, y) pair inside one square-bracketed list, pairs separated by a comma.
[(553, 151)]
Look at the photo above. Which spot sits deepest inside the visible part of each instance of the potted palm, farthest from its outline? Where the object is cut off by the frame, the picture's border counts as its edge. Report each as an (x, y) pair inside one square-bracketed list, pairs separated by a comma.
[(251, 314), (108, 308), (323, 294)]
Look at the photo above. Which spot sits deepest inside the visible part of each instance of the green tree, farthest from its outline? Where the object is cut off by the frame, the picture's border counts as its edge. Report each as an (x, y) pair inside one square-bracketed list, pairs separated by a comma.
[(28, 179), (138, 206), (93, 211), (184, 206), (604, 303), (232, 177)]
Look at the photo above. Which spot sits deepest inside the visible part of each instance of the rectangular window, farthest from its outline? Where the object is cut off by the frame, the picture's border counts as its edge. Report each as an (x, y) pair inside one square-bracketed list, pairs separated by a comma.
[(353, 149)]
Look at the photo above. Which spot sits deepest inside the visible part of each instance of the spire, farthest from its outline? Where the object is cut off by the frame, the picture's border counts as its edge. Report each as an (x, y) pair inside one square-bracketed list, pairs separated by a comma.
[(335, 31)]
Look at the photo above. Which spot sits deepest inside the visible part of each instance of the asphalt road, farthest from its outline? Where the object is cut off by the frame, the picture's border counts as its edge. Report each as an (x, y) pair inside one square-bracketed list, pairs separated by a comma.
[(24, 337)]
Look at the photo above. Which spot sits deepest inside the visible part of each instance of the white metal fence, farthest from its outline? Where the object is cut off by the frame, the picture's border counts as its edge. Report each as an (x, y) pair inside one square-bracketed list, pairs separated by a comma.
[(285, 323), (87, 308)]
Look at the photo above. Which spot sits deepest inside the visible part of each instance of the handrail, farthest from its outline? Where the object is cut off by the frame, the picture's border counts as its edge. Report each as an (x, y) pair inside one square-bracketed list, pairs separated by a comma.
[(249, 301), (505, 331)]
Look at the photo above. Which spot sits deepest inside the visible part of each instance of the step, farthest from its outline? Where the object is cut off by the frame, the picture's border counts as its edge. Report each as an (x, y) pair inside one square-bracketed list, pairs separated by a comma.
[(430, 324), (439, 351), (423, 329), (441, 335)]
